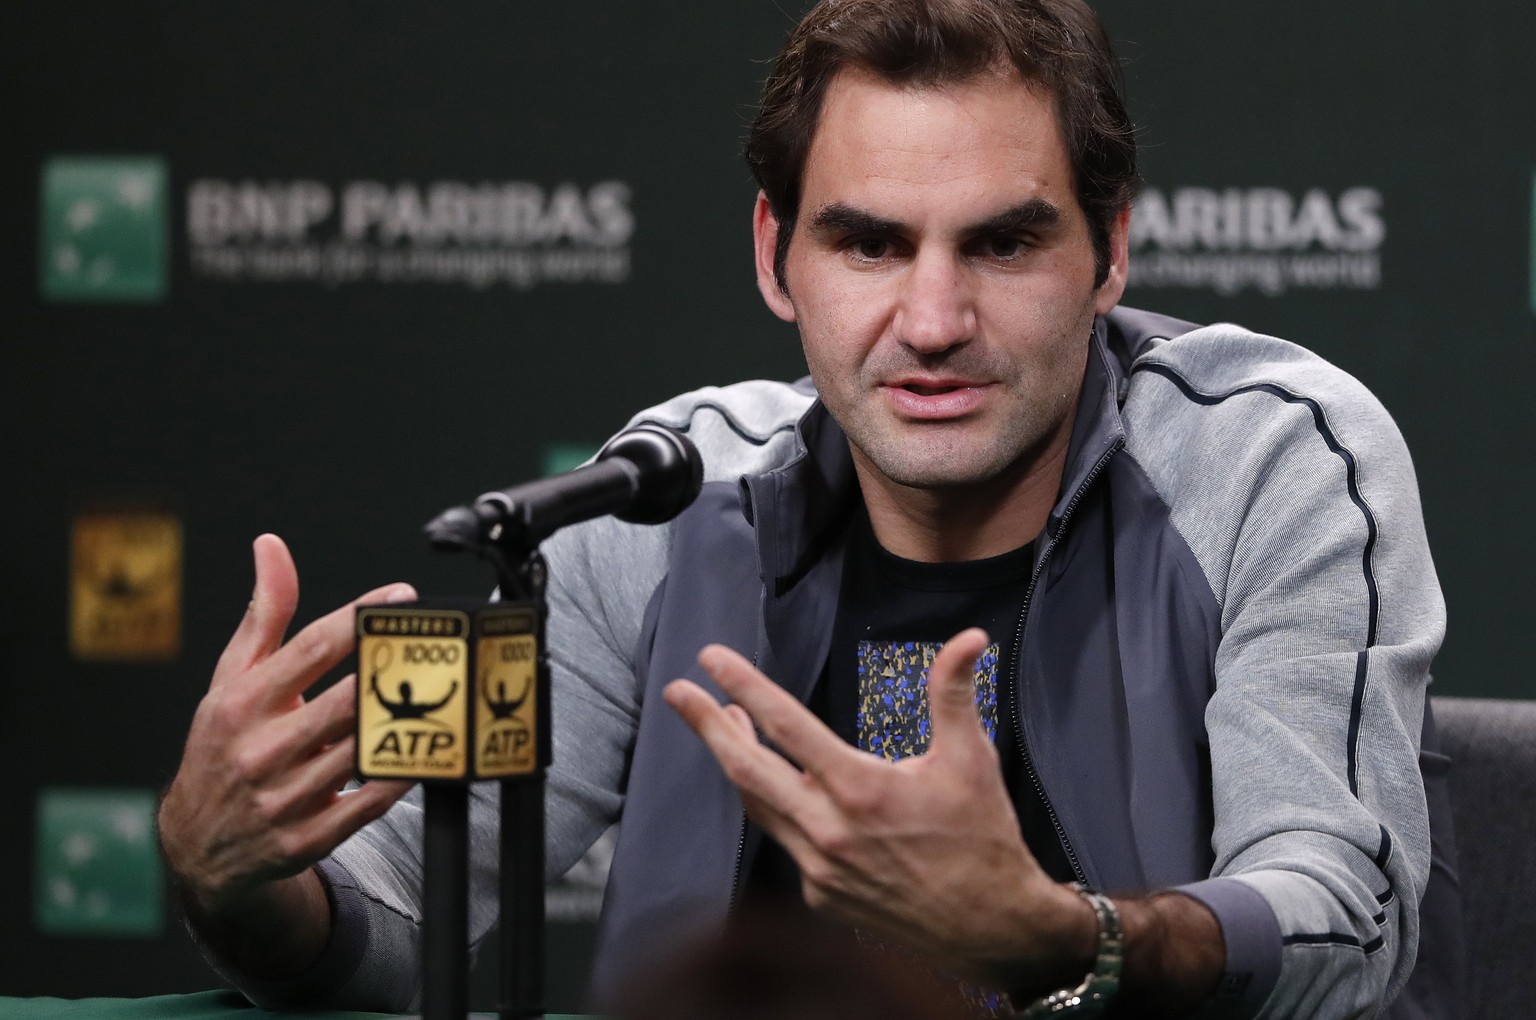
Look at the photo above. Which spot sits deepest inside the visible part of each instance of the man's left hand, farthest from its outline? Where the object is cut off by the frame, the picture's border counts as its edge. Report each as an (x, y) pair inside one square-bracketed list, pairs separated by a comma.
[(925, 851)]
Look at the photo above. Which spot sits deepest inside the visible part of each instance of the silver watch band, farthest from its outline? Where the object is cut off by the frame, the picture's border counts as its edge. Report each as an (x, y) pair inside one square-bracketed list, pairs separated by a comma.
[(1097, 989)]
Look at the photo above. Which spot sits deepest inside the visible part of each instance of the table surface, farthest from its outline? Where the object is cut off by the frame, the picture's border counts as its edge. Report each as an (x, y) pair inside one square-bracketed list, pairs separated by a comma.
[(217, 1005)]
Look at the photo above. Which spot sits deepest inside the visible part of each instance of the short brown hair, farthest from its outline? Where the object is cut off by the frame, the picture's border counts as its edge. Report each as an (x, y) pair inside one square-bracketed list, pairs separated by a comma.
[(1058, 45)]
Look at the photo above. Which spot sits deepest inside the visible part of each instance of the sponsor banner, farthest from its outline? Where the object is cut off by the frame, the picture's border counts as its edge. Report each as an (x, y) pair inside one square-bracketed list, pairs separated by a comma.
[(516, 234), (125, 586), (103, 228), (97, 869), (1267, 240)]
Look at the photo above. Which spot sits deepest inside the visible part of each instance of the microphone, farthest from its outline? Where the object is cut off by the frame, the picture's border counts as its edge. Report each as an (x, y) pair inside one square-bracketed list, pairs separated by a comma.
[(645, 475)]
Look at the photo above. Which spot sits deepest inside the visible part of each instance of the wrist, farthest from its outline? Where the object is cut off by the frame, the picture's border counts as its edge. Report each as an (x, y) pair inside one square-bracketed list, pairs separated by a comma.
[(272, 930), (178, 854), (1060, 947), (201, 893), (1097, 989), (1174, 953)]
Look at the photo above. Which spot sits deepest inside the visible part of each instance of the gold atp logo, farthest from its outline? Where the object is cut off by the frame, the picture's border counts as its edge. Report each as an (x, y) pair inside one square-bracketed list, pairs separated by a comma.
[(506, 708), (412, 713)]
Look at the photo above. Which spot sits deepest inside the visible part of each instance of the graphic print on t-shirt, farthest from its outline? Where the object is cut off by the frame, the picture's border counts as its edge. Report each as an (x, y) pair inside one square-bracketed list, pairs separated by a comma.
[(892, 718)]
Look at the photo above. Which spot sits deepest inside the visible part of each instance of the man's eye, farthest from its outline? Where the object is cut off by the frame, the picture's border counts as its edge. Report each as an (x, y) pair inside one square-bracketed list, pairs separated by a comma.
[(1004, 247), (872, 248)]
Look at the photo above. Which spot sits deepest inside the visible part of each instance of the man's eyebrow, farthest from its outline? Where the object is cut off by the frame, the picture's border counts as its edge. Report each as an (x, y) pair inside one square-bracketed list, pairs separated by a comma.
[(1032, 214), (843, 218)]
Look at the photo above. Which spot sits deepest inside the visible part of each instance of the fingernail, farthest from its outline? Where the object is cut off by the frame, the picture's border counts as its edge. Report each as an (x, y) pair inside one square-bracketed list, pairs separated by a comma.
[(399, 593)]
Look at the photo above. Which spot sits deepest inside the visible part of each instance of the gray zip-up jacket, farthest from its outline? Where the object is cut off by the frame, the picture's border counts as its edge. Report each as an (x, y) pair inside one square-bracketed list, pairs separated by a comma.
[(1221, 677)]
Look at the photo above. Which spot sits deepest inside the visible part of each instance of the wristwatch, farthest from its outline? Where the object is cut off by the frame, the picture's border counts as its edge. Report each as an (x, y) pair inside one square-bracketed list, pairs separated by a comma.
[(1093, 995)]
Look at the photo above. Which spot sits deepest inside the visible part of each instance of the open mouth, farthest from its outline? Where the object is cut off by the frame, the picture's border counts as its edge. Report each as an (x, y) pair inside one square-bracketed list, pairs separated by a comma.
[(937, 400)]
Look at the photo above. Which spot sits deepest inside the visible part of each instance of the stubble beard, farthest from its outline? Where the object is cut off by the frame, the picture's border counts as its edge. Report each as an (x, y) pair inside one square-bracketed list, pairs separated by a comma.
[(949, 456)]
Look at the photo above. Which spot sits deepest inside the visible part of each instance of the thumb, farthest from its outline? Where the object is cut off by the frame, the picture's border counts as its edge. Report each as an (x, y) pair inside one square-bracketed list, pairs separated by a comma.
[(273, 603), (952, 692)]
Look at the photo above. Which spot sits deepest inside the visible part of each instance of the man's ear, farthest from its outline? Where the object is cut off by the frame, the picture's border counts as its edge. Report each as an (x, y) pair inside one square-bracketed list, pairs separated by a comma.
[(1113, 287), (765, 240)]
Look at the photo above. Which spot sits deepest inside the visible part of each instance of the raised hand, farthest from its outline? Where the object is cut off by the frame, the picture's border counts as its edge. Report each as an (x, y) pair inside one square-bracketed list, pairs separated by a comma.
[(257, 798), (925, 851)]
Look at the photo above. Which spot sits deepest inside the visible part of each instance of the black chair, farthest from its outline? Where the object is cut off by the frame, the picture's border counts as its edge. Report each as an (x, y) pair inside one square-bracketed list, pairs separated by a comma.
[(1492, 747)]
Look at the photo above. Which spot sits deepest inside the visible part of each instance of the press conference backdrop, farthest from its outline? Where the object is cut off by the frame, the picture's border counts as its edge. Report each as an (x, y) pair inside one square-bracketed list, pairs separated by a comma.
[(326, 268)]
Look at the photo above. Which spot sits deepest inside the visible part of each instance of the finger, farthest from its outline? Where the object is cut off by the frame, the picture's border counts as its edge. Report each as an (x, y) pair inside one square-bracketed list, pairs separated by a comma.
[(314, 786), (785, 830), (775, 795), (739, 716), (789, 725), (315, 724), (331, 714), (321, 645), (353, 809), (331, 770), (308, 788), (952, 693), (307, 841), (271, 609), (757, 771)]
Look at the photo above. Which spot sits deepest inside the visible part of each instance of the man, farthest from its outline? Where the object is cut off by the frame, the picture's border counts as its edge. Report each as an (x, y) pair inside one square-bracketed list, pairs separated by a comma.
[(1198, 554)]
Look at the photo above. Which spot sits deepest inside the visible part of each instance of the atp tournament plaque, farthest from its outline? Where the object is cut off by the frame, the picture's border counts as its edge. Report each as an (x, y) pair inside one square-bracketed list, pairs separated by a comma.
[(449, 693), (508, 712), (412, 693)]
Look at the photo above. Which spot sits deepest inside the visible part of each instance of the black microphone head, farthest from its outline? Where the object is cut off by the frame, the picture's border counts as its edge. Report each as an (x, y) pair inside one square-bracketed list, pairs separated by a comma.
[(671, 472), (458, 528)]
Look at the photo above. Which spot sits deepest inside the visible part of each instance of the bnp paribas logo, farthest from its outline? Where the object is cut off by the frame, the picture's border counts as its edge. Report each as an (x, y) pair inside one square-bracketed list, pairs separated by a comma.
[(104, 227)]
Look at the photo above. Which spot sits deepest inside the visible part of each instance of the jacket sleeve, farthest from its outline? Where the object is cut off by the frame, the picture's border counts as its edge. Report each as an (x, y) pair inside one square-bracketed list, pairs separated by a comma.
[(1297, 495)]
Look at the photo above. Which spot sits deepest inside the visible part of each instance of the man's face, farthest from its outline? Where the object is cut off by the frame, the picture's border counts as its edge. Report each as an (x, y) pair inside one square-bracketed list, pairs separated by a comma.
[(941, 273)]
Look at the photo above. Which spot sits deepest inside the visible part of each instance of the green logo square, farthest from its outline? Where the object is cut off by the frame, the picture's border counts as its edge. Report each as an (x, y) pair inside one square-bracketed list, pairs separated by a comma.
[(104, 228), (562, 457), (98, 868)]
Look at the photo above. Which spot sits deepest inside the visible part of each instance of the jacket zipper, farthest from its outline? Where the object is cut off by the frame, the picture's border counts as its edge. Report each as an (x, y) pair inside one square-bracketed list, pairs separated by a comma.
[(741, 844), (1018, 672), (741, 850)]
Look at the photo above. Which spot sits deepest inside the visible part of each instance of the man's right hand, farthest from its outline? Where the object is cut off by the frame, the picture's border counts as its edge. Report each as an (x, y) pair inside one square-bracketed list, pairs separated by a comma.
[(257, 799)]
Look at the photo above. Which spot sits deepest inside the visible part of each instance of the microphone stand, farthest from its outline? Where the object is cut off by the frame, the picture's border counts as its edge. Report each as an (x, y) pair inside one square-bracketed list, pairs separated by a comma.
[(521, 573), (521, 576), (645, 475)]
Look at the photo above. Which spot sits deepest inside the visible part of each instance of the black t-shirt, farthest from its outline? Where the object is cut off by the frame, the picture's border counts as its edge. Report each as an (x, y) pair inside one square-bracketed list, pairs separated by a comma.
[(893, 616)]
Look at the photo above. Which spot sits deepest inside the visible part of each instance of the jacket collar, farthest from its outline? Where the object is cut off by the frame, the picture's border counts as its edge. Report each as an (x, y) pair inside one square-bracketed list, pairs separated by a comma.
[(799, 510), (1096, 430)]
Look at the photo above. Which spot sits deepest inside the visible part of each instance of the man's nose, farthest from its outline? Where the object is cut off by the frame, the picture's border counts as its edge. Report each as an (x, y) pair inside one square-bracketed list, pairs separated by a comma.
[(936, 309)]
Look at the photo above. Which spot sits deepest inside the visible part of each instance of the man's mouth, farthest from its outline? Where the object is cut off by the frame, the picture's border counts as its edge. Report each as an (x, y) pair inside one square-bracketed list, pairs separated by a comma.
[(936, 399)]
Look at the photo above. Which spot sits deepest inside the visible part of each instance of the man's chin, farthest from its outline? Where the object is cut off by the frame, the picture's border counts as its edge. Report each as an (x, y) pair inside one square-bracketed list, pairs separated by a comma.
[(941, 470), (961, 460)]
